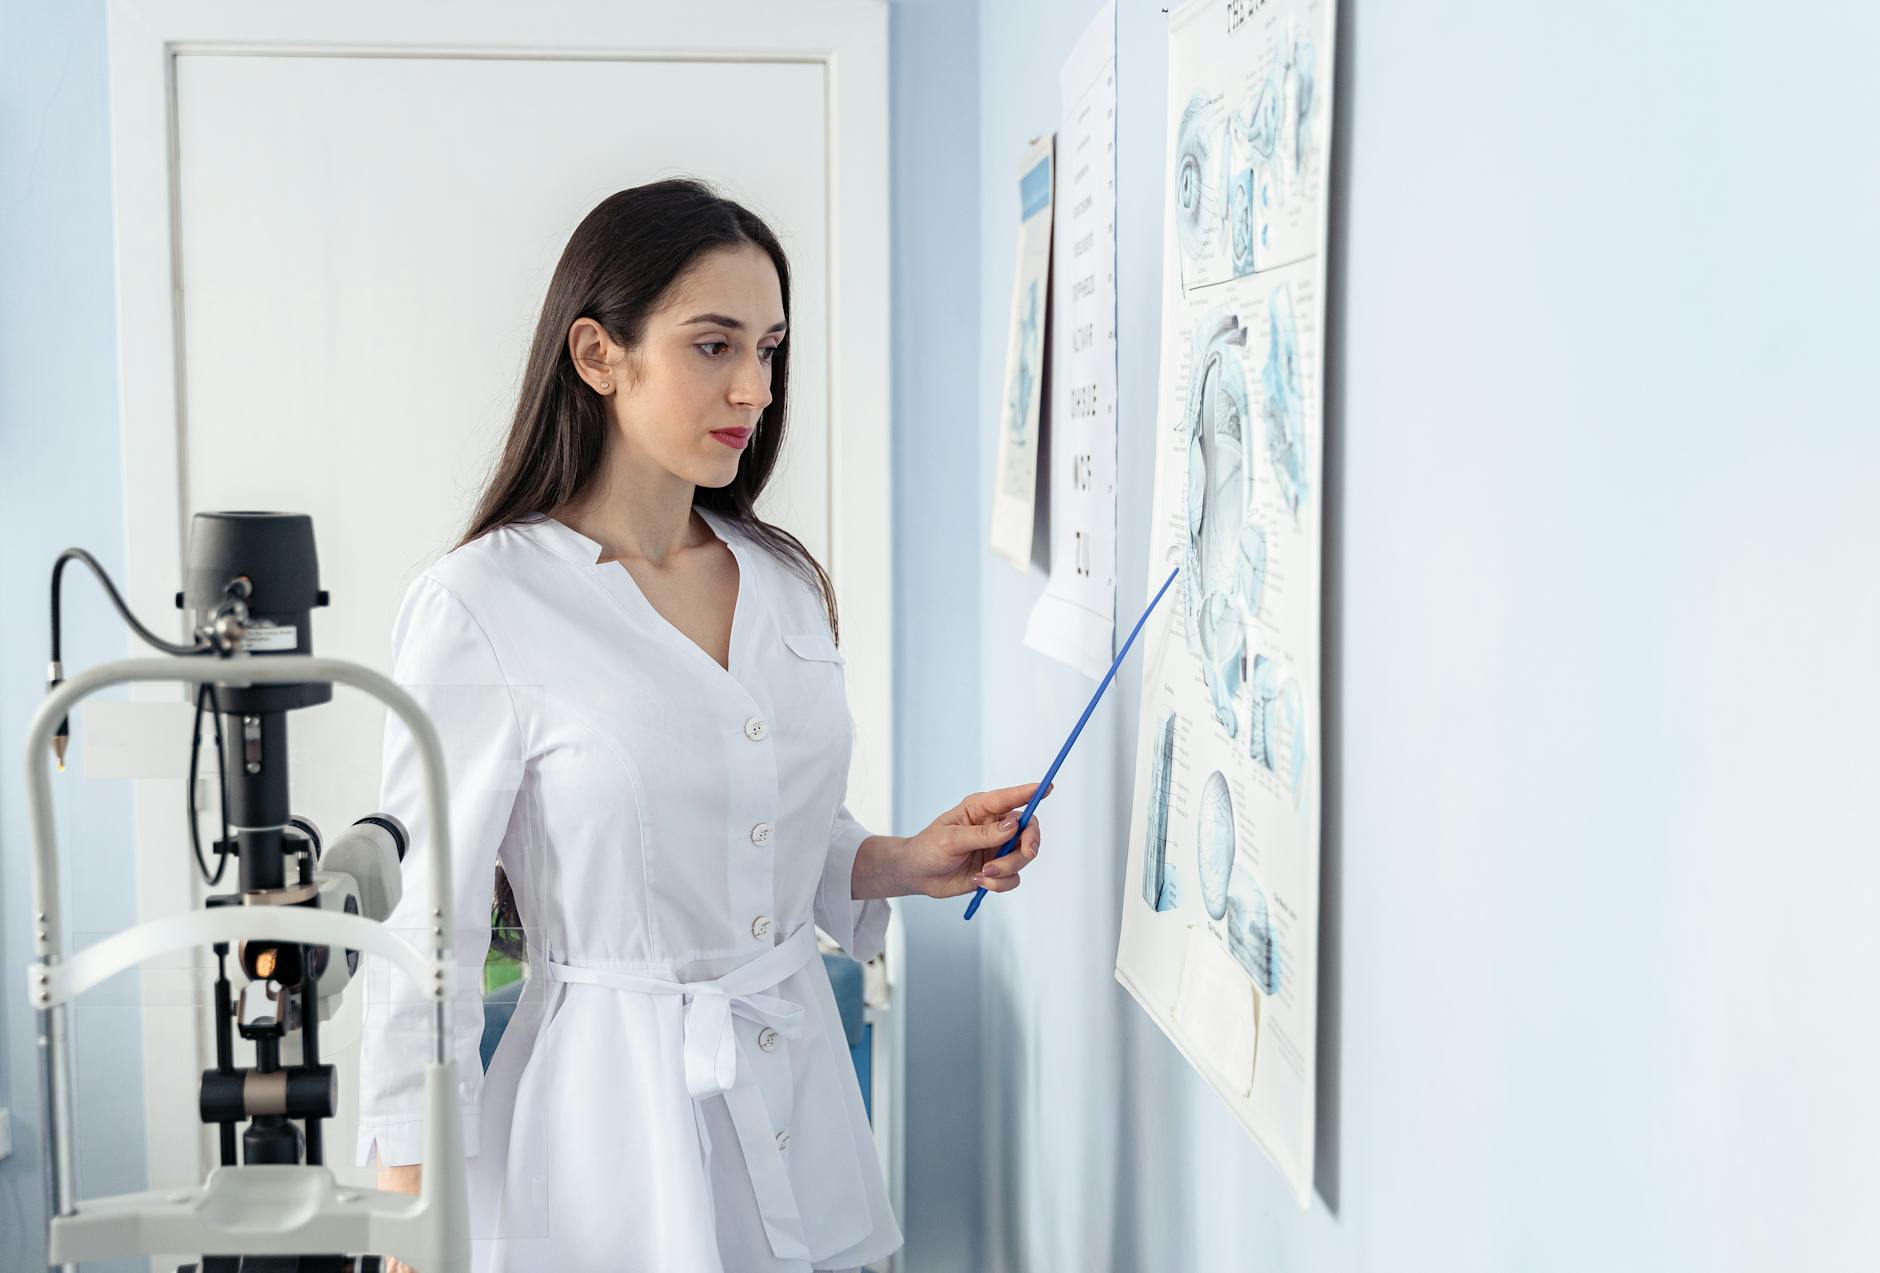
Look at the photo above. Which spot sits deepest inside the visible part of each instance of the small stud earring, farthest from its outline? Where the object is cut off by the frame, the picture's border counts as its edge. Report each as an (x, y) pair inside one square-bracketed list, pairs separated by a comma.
[(606, 387)]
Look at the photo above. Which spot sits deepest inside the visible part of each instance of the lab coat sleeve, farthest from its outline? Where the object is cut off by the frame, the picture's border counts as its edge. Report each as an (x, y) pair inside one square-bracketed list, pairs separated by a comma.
[(442, 658), (859, 927)]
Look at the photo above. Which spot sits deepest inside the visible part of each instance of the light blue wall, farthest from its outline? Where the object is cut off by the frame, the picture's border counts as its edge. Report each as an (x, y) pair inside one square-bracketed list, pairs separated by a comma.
[(938, 520), (1601, 824), (59, 487)]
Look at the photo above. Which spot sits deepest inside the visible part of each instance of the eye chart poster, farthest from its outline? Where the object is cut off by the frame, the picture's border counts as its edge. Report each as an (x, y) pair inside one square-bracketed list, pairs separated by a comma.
[(1075, 618), (1220, 912)]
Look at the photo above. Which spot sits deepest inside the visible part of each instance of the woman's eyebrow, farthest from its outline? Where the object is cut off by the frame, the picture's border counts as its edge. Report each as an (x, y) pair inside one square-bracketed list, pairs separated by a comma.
[(727, 322)]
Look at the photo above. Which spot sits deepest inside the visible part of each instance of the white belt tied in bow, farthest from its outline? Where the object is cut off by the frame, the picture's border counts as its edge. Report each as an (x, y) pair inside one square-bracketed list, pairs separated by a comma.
[(711, 1063)]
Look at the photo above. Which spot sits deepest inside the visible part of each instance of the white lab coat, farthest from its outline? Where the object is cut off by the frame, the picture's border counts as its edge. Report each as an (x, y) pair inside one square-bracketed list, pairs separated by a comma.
[(661, 820)]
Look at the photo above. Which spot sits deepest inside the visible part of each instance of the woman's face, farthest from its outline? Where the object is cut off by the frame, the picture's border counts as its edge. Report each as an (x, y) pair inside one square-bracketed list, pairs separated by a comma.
[(690, 395)]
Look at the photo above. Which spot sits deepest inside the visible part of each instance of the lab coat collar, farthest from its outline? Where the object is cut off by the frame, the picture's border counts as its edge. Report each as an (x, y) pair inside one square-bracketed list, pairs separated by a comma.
[(565, 541), (560, 538)]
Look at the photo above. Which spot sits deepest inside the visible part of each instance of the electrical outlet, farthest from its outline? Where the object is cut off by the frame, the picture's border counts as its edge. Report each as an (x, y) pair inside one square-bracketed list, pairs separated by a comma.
[(6, 1134)]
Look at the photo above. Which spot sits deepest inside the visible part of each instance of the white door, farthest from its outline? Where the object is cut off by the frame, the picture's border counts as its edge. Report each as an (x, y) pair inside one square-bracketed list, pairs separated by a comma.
[(331, 265)]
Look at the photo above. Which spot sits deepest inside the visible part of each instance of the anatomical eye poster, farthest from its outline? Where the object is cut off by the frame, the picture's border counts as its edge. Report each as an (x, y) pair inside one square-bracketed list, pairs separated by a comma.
[(1014, 489), (1220, 914)]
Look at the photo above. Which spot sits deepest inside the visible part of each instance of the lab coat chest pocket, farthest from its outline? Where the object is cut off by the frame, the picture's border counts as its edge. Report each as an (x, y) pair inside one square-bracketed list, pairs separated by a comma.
[(816, 647), (813, 702)]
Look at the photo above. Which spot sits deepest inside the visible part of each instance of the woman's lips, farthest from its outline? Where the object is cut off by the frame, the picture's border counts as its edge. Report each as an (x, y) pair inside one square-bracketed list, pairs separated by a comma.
[(733, 438)]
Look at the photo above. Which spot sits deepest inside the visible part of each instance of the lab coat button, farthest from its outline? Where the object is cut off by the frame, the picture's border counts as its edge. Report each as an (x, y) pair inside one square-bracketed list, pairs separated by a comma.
[(760, 927), (783, 1141), (755, 729), (760, 834), (767, 1040)]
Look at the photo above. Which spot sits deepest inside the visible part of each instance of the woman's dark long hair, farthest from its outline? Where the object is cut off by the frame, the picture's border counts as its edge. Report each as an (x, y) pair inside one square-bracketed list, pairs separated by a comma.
[(618, 267)]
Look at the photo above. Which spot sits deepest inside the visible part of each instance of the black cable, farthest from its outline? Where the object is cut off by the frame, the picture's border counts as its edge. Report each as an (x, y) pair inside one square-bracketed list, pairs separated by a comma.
[(189, 787), (221, 765), (201, 646), (205, 689), (205, 644), (79, 554), (189, 795)]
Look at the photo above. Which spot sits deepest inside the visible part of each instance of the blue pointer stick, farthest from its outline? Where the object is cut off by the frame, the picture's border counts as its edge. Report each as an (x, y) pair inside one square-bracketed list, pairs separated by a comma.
[(1024, 819)]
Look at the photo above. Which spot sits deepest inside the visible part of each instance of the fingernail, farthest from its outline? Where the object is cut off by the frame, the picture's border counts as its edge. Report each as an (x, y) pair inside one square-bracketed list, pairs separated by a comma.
[(1010, 824)]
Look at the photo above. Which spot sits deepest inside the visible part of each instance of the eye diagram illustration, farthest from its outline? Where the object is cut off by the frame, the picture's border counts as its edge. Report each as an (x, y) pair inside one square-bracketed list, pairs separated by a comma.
[(1284, 402), (1294, 111), (1239, 165), (1240, 221), (1276, 732), (1223, 640), (1018, 408), (1278, 128), (1250, 933), (1158, 873), (1261, 726), (1200, 185), (1292, 717), (1224, 560), (1214, 844), (1250, 575)]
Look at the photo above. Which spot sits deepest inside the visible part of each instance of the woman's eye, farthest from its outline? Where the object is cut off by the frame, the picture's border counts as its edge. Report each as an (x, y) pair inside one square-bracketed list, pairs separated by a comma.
[(712, 348), (768, 353)]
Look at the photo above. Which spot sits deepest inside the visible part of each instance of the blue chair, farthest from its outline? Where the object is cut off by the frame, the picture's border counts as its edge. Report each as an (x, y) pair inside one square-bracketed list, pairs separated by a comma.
[(845, 977), (499, 1005)]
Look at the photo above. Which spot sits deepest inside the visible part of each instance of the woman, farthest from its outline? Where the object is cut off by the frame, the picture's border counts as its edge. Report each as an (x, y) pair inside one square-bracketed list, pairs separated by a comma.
[(640, 696)]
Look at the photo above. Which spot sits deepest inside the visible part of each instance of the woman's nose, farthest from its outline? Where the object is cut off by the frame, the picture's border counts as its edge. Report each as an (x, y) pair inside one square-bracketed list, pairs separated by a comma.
[(752, 386)]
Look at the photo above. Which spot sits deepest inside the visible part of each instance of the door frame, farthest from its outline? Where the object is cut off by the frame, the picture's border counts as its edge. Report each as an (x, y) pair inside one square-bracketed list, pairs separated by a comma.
[(848, 38)]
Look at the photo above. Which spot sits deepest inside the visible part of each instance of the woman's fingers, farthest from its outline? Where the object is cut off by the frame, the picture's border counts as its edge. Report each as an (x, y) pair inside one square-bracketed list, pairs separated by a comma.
[(986, 804), (998, 883), (1017, 860), (984, 835)]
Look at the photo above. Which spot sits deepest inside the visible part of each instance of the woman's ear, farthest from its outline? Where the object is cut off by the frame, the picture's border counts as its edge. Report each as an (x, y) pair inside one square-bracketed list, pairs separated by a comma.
[(597, 359)]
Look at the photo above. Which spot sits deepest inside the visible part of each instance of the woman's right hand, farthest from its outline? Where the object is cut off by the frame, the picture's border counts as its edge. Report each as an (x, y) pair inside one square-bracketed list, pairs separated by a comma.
[(404, 1179)]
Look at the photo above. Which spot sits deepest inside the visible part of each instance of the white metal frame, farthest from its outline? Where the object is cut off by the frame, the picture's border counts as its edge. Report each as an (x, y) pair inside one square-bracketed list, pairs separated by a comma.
[(849, 38), (275, 1209), (887, 1068)]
